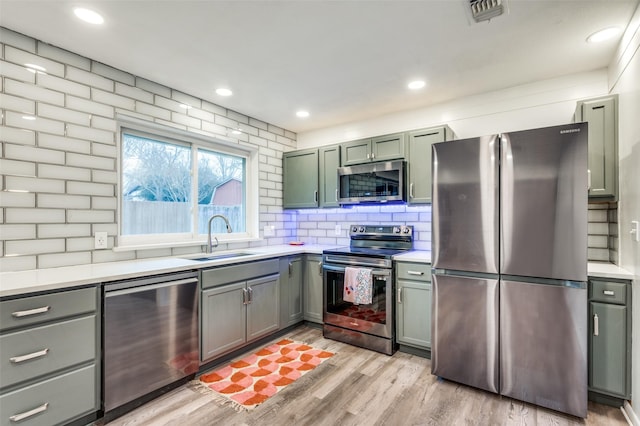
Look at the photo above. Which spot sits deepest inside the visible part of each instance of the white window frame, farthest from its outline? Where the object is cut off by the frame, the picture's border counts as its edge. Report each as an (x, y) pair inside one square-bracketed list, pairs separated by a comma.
[(126, 124)]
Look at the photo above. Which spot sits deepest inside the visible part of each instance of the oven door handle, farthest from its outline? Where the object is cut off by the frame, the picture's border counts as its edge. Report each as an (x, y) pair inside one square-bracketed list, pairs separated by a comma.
[(374, 272)]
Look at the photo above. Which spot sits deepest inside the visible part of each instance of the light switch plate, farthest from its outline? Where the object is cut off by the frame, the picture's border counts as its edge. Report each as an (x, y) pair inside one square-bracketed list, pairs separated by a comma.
[(100, 240)]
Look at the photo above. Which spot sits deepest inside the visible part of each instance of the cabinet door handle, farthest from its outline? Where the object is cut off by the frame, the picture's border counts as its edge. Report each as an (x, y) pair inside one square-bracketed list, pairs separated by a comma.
[(244, 296), (315, 196), (250, 291), (336, 194), (373, 155), (609, 292), (400, 295), (19, 417), (27, 357), (36, 311), (419, 273), (411, 190), (368, 156), (588, 179), (319, 268), (290, 268), (596, 325)]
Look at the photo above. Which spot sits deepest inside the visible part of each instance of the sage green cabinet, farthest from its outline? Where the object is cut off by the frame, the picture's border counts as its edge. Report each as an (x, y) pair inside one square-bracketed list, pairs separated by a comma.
[(50, 343), (300, 179), (379, 148), (313, 289), (329, 163), (291, 271), (602, 116), (419, 161), (413, 305), (239, 303), (610, 338)]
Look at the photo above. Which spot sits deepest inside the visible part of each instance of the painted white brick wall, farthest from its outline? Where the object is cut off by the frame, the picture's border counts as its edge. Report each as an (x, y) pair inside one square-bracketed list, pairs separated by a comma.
[(66, 157)]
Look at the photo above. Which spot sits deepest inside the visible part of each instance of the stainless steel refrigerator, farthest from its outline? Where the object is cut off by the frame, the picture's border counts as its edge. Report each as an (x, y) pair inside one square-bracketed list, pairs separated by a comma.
[(509, 258)]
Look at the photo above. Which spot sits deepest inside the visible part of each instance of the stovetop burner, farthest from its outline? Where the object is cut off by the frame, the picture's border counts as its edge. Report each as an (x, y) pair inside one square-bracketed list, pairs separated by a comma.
[(379, 241), (365, 251)]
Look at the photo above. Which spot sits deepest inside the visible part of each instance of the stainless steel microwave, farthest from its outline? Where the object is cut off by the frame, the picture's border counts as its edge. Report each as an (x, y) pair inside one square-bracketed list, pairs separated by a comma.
[(372, 183)]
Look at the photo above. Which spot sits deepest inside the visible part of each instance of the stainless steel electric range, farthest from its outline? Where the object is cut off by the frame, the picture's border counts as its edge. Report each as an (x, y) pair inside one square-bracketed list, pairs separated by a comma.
[(371, 325)]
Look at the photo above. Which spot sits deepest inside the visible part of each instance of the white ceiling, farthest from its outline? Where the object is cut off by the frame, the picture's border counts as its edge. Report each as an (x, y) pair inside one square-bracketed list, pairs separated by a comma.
[(341, 60)]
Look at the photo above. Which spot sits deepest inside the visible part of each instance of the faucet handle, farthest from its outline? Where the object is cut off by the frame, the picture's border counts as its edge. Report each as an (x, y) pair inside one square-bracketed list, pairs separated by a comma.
[(216, 244)]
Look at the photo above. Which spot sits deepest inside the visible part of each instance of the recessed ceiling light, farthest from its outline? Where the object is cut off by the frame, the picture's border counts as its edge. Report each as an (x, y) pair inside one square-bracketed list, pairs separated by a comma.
[(603, 35), (224, 92), (415, 85), (302, 114), (88, 15)]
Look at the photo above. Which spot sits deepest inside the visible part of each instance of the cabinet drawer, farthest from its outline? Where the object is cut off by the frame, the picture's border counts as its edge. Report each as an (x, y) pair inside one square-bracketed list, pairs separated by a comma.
[(413, 271), (236, 273), (608, 292), (53, 401), (30, 353), (37, 309)]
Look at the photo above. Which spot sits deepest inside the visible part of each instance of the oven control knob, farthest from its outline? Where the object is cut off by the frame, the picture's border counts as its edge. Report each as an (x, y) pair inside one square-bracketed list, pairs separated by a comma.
[(355, 229), (361, 229), (406, 230), (396, 230)]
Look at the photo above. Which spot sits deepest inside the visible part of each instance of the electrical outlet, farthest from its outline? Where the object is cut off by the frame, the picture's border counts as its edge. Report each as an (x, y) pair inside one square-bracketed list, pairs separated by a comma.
[(269, 230), (338, 230), (100, 240)]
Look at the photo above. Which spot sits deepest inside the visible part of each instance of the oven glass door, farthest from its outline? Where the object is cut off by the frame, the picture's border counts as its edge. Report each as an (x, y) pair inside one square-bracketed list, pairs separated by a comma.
[(375, 318)]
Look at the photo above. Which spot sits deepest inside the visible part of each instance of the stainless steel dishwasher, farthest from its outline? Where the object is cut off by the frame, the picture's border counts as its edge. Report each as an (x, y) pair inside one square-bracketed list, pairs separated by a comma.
[(150, 337)]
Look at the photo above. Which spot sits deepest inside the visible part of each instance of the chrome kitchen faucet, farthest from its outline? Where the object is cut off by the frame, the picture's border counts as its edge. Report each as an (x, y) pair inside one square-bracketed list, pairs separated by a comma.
[(210, 245)]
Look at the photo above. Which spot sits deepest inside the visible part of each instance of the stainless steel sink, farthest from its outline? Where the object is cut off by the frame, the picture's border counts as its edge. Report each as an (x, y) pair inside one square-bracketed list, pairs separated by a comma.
[(222, 256)]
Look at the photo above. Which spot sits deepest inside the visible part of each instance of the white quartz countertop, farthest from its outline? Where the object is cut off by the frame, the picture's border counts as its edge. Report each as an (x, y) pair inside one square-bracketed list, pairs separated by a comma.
[(416, 256), (25, 282), (608, 270)]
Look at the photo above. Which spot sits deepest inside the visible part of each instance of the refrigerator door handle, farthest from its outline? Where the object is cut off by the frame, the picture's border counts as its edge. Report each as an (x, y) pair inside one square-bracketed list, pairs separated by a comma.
[(596, 325)]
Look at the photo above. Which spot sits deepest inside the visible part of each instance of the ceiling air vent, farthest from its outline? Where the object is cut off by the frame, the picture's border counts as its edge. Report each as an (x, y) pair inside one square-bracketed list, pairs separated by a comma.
[(484, 10)]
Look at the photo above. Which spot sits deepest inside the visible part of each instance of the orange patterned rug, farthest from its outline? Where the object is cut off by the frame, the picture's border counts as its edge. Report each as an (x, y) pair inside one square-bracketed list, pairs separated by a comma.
[(250, 381)]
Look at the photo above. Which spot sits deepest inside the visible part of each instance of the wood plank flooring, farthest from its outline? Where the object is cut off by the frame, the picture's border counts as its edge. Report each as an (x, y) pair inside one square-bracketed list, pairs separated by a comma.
[(361, 387)]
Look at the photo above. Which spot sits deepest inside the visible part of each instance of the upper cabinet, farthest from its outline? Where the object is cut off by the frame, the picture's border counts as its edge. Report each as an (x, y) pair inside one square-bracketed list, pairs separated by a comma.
[(419, 161), (602, 116), (329, 163), (380, 148), (300, 180)]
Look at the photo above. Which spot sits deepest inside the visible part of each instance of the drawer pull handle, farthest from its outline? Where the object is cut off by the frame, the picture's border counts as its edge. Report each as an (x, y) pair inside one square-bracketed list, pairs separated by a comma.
[(596, 325), (27, 357), (27, 414), (36, 311), (609, 293), (415, 273)]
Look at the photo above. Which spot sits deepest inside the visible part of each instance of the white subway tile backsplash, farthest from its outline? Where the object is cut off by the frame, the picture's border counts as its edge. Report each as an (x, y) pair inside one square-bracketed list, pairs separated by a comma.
[(201, 114), (38, 124), (59, 260), (264, 134), (89, 106), (88, 188), (64, 201), (21, 136), (30, 153), (91, 161), (183, 98), (11, 38), (63, 56), (17, 168), (22, 57), (104, 203), (17, 72), (17, 104), (236, 116), (104, 123), (112, 73), (16, 183), (169, 104), (104, 150), (81, 244), (63, 172), (90, 216), (17, 199), (258, 124), (64, 143), (88, 133), (113, 100), (35, 215), (30, 91), (62, 85), (214, 128), (101, 256), (39, 246), (152, 87), (216, 109), (17, 263), (18, 232), (63, 114), (153, 111), (186, 120), (133, 92), (103, 176)]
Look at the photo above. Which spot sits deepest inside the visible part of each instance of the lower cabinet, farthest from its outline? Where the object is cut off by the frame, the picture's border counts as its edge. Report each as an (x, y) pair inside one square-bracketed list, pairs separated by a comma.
[(610, 338), (291, 270), (313, 289), (49, 358), (237, 312), (413, 305)]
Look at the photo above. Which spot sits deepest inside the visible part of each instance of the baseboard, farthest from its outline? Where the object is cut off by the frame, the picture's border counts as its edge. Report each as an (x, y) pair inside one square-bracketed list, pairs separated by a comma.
[(630, 415)]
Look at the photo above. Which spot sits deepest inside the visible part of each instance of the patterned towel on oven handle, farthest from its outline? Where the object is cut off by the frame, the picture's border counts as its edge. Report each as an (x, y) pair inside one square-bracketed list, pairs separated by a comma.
[(358, 286)]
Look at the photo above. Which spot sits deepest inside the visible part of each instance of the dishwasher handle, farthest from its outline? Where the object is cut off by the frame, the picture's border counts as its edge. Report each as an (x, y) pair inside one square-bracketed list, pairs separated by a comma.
[(141, 288)]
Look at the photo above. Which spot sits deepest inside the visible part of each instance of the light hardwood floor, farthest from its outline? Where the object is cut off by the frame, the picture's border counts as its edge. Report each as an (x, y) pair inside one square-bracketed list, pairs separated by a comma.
[(361, 387)]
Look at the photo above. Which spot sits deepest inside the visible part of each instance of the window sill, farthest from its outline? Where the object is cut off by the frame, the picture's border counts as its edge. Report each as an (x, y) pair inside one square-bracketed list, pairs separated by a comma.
[(180, 244)]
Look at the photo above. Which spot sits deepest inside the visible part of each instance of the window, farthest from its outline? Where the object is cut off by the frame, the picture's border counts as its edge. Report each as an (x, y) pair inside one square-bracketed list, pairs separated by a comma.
[(172, 182)]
